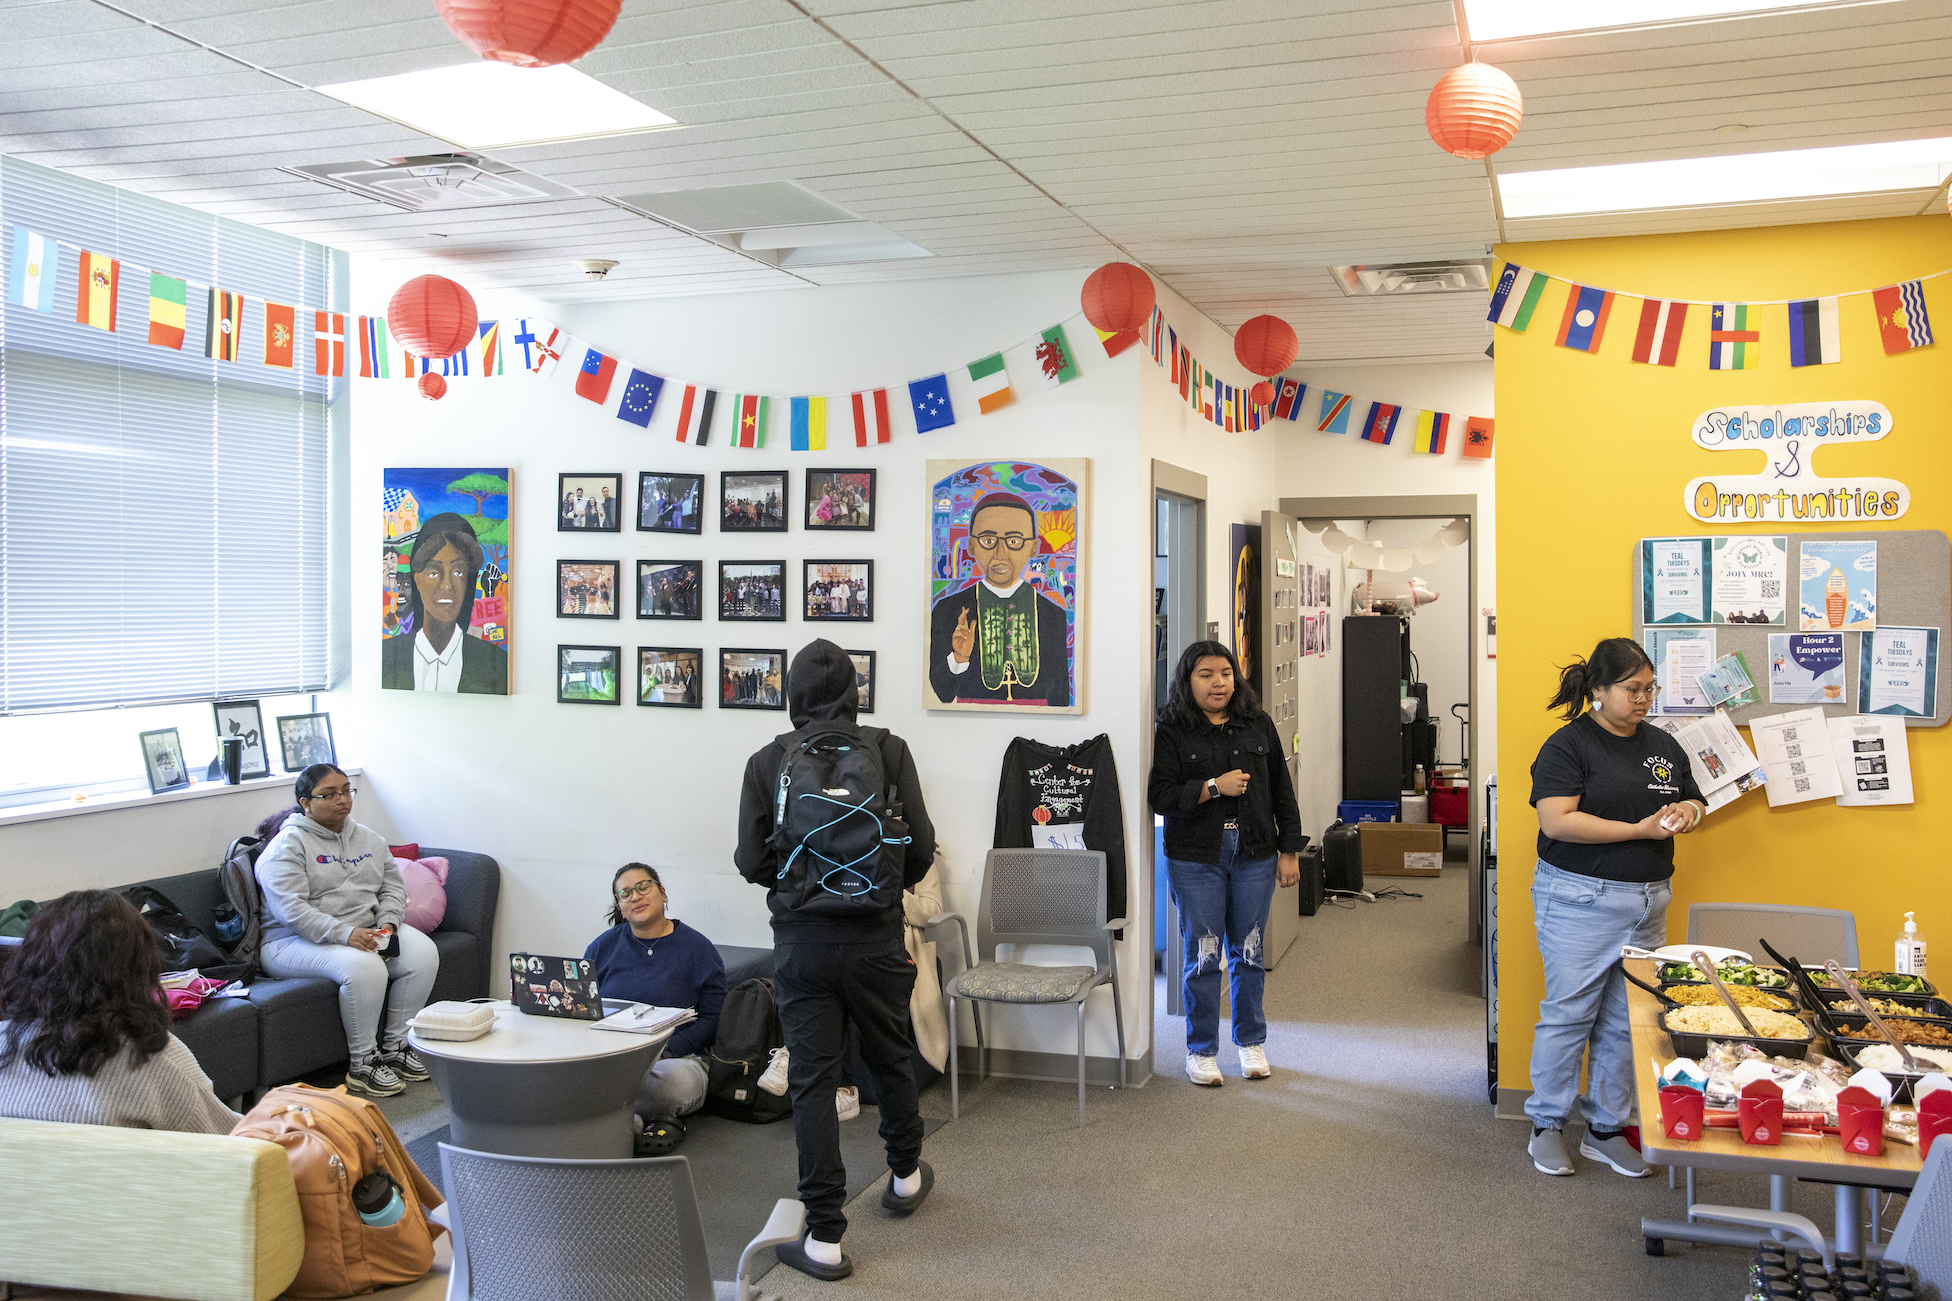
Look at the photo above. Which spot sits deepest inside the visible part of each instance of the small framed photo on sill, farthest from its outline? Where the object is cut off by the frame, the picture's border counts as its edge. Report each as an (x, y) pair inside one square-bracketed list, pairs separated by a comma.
[(586, 589), (840, 499), (863, 680), (838, 590), (162, 759), (306, 739), (751, 679), (589, 503), (245, 721)]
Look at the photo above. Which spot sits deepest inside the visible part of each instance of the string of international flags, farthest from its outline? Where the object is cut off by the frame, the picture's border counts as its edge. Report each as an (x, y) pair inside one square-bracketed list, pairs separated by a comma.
[(634, 393)]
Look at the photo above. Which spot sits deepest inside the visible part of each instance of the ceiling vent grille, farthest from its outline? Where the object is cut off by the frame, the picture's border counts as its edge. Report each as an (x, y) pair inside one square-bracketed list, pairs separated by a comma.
[(1394, 279), (436, 182)]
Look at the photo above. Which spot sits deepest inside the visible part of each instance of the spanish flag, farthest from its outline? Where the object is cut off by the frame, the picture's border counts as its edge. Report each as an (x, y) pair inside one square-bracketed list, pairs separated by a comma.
[(95, 291), (166, 300), (224, 325)]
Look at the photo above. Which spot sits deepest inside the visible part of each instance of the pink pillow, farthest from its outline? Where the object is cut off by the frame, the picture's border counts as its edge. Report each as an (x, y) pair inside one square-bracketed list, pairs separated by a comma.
[(426, 891)]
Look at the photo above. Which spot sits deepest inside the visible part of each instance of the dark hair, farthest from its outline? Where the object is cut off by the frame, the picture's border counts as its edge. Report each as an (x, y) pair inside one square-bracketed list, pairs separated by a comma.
[(617, 909), (308, 781), (273, 824), (85, 982), (1614, 660), (433, 535), (1180, 707)]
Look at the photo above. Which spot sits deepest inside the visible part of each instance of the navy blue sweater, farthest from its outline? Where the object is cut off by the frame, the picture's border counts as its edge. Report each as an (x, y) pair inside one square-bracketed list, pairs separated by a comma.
[(683, 969)]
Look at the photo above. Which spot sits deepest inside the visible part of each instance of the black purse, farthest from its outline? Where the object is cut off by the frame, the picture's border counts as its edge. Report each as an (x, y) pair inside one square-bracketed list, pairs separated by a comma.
[(184, 945)]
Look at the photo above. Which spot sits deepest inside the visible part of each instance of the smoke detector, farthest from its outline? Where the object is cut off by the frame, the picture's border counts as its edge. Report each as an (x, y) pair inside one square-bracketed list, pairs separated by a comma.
[(594, 268)]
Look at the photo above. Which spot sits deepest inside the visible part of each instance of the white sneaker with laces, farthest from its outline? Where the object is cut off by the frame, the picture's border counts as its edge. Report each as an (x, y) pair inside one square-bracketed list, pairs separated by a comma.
[(847, 1101), (1253, 1063), (773, 1079), (1203, 1070)]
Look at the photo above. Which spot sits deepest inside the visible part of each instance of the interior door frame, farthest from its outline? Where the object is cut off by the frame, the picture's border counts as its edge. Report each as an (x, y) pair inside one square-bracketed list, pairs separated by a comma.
[(1189, 486)]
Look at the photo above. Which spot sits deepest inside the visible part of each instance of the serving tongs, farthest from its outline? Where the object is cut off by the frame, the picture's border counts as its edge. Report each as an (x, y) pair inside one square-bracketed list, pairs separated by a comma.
[(1849, 986), (1707, 968)]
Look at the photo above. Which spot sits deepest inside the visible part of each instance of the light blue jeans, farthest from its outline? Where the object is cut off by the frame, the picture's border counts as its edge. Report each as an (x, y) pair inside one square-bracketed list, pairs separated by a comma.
[(368, 984), (1582, 921), (1220, 901), (674, 1086)]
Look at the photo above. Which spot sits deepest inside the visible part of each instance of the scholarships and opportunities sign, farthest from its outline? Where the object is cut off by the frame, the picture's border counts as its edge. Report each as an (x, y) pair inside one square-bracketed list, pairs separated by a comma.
[(1788, 488)]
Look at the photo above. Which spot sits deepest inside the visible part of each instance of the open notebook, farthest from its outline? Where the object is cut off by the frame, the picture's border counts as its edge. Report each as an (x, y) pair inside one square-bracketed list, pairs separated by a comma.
[(642, 1018)]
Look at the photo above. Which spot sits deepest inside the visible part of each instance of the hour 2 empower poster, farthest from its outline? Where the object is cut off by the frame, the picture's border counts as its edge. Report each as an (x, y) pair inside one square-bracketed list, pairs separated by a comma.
[(1006, 618), (444, 581)]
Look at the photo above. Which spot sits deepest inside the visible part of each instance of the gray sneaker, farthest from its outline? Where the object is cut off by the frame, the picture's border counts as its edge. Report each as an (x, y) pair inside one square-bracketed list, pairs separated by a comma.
[(1548, 1152), (1616, 1152)]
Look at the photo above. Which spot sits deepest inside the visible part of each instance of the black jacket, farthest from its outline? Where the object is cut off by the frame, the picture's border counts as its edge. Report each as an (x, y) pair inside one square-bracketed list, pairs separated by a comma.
[(1184, 757), (484, 665), (1074, 784), (820, 689)]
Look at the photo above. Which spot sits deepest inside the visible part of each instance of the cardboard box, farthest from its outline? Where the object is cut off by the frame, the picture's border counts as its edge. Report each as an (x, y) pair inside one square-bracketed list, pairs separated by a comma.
[(1402, 848)]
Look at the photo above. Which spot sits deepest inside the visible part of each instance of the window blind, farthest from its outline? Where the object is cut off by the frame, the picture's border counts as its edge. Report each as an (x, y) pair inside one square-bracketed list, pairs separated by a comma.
[(164, 518)]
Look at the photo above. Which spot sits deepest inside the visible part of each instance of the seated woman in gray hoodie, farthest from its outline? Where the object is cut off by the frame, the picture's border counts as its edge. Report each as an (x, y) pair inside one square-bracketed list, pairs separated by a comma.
[(335, 906)]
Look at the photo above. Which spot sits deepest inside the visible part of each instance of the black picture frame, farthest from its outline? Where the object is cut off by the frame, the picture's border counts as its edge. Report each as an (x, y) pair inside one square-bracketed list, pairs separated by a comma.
[(745, 482), (823, 611), (592, 484), (697, 654), (647, 568), (564, 598), (866, 704), (778, 574), (646, 479), (298, 740), (563, 696), (162, 760), (821, 480), (245, 719), (775, 663)]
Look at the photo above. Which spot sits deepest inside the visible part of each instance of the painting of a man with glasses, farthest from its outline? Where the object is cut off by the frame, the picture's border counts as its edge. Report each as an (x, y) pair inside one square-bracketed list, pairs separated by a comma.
[(1004, 620)]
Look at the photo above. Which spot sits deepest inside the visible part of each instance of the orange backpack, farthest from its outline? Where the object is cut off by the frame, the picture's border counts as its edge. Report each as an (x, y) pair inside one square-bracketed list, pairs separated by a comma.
[(334, 1140)]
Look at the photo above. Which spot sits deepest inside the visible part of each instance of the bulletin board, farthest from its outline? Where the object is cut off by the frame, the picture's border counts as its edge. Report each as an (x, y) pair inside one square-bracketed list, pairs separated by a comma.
[(1914, 590)]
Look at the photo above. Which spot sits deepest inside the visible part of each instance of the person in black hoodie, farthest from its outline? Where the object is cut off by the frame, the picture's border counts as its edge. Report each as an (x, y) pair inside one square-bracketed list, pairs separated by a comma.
[(832, 970)]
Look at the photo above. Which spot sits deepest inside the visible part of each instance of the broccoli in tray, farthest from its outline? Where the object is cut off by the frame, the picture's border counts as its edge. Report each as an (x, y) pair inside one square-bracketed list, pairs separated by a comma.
[(1732, 972)]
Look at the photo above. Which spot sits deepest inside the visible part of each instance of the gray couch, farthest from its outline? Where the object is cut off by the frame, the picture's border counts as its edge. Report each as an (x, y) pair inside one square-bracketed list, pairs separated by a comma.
[(287, 1029)]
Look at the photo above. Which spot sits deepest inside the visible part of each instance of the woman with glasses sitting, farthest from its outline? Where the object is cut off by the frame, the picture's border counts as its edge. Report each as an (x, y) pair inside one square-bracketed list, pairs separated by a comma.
[(650, 957), (335, 905), (1612, 792)]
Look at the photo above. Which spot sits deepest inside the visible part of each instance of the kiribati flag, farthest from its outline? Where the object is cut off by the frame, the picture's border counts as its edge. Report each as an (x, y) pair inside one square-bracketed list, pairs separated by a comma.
[(1901, 320), (1380, 426), (1585, 319)]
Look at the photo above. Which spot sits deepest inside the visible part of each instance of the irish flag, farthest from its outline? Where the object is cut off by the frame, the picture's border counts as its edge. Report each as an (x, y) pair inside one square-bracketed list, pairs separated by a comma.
[(992, 382)]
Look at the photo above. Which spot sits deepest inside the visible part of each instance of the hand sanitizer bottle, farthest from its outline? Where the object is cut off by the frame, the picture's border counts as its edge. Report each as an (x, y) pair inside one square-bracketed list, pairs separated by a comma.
[(1909, 959)]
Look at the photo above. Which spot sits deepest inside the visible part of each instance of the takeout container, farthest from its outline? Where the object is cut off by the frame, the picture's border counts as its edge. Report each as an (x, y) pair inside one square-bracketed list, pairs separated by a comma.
[(1821, 978), (1786, 989), (1934, 1119), (1683, 1113), (1860, 1121), (1759, 1112), (1901, 1080), (453, 1020), (1929, 1007), (1788, 995), (1694, 1043)]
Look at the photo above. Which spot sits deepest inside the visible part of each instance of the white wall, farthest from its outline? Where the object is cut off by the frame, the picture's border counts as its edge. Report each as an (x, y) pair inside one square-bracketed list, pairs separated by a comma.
[(1440, 632)]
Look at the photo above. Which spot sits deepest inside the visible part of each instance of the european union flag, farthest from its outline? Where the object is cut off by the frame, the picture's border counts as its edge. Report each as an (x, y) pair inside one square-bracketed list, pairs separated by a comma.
[(640, 398), (930, 398)]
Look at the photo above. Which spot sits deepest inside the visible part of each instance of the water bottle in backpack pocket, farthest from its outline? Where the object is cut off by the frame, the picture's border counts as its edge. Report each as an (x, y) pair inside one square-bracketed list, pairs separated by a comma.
[(837, 825)]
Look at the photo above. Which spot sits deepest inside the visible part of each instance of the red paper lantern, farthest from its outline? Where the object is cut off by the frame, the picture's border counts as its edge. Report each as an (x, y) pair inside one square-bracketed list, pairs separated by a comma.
[(530, 33), (1266, 345), (1118, 297), (1474, 111), (433, 387), (431, 316), (1262, 394)]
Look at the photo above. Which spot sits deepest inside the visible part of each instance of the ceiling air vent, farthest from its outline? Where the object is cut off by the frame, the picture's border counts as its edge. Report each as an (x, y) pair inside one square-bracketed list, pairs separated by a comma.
[(1390, 279), (779, 222), (436, 182)]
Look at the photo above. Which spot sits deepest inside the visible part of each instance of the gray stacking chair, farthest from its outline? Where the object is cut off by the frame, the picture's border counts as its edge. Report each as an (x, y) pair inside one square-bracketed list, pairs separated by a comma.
[(546, 1229), (1813, 935), (1036, 896)]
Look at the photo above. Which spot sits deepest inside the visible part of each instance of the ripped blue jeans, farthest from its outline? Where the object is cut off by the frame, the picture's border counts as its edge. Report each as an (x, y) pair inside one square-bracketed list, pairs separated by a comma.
[(1222, 907)]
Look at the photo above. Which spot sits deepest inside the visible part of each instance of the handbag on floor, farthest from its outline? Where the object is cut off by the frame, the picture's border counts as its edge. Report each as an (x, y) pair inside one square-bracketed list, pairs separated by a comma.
[(335, 1142)]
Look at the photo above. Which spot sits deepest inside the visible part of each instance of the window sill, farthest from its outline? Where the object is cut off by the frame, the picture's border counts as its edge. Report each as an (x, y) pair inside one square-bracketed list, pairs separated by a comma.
[(142, 799)]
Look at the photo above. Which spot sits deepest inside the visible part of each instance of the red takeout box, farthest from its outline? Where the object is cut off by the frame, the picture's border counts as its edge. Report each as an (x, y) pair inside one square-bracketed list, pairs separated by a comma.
[(1860, 1121), (1760, 1112), (1682, 1113), (1934, 1119)]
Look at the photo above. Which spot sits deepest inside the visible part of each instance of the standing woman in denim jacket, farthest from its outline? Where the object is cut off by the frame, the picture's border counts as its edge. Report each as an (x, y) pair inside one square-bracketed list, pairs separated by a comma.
[(1612, 792), (1220, 780)]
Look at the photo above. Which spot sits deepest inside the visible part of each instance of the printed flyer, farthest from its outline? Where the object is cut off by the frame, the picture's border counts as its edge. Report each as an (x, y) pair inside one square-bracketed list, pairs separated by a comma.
[(1750, 574), (1897, 672), (1674, 580), (1838, 591), (1806, 668)]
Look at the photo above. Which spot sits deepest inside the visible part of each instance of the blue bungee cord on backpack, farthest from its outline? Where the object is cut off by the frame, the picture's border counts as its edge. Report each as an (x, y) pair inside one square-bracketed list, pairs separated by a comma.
[(836, 868)]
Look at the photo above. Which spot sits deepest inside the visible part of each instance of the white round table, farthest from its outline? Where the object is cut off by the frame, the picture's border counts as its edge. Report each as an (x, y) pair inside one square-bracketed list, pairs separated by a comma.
[(541, 1085)]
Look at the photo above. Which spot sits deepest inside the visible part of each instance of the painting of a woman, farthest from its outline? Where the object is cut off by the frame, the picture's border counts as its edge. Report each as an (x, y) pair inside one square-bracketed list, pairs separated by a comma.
[(440, 654)]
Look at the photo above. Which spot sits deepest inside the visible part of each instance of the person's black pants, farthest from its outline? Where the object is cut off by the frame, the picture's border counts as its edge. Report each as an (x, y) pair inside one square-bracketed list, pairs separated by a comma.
[(821, 988)]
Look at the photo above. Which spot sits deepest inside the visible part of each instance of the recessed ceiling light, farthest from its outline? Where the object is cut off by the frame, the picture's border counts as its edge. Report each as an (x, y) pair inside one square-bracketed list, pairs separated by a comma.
[(1498, 20), (489, 105), (1729, 178)]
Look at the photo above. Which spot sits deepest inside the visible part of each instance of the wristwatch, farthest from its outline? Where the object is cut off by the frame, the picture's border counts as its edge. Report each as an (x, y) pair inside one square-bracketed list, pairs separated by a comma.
[(1213, 788)]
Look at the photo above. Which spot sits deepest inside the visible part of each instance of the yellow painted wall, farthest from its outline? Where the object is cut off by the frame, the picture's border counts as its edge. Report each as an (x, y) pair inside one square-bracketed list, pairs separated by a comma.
[(1593, 453)]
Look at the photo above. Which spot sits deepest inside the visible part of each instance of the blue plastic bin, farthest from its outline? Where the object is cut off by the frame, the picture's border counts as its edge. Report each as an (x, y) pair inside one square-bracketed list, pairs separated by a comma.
[(1367, 810)]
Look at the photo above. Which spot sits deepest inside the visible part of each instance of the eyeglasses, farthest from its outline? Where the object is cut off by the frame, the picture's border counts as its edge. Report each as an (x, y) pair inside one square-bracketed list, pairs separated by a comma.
[(1653, 689), (1014, 541), (347, 793), (629, 892)]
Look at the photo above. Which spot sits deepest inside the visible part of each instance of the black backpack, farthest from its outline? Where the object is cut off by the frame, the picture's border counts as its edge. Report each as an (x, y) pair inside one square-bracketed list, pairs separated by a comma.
[(748, 1032), (837, 826), (240, 919), (185, 947)]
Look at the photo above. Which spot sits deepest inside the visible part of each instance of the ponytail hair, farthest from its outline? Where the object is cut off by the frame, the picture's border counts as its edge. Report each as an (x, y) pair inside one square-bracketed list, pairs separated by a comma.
[(1614, 660)]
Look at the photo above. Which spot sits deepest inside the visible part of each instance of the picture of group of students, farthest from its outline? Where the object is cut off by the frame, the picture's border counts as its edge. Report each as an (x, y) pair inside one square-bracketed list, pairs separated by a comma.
[(586, 589), (588, 502), (839, 589)]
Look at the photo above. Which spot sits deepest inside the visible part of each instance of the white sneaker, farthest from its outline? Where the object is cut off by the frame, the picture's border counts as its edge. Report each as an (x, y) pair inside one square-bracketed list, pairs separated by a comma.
[(773, 1080), (1203, 1070), (1253, 1063), (847, 1101)]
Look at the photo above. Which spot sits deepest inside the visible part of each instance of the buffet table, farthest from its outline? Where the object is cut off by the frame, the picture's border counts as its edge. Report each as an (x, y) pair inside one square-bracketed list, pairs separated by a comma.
[(1723, 1149)]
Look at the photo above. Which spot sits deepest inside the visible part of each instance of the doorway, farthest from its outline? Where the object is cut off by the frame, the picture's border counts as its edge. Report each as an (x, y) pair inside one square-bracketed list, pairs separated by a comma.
[(1179, 620)]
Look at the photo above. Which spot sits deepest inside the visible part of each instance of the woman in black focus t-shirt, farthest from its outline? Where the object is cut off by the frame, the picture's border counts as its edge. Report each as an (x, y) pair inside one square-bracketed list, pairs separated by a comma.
[(1611, 792)]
